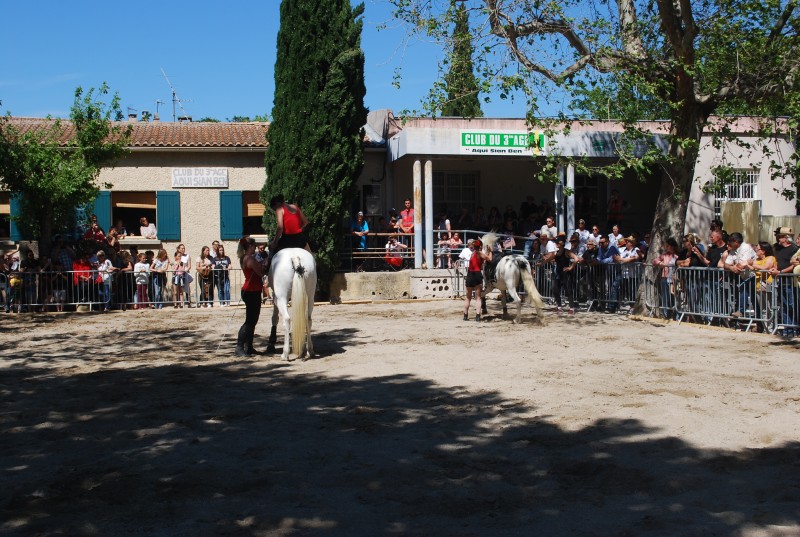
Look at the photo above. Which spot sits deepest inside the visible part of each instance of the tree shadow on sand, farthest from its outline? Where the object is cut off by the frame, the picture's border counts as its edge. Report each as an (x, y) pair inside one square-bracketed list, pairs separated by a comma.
[(253, 447)]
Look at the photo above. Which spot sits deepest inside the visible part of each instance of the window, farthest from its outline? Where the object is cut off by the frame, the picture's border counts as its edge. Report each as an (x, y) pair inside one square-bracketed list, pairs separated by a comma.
[(5, 215), (455, 190), (743, 187), (161, 208), (240, 213)]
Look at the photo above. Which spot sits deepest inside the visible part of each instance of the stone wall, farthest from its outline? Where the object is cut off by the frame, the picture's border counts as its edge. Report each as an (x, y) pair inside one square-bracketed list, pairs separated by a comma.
[(405, 284)]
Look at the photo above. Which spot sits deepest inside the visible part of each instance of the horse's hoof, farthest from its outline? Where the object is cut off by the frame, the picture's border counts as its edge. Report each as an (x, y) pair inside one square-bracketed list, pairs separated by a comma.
[(270, 349)]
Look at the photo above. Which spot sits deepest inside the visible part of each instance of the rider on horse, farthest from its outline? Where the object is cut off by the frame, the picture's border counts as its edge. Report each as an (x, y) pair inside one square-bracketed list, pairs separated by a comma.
[(290, 225)]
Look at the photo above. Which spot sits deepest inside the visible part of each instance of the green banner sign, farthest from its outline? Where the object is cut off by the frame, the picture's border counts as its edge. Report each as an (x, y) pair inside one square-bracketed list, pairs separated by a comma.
[(501, 143)]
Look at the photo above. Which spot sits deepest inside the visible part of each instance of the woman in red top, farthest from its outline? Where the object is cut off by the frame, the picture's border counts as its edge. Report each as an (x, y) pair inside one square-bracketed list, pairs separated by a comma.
[(474, 281), (291, 222), (251, 295)]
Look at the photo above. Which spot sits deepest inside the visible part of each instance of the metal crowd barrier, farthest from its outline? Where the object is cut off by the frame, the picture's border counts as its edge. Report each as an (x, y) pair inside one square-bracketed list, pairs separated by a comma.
[(91, 289), (601, 287), (373, 257)]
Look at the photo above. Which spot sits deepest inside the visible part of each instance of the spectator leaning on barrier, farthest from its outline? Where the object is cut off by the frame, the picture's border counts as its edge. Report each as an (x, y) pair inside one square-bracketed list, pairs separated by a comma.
[(738, 260), (629, 254), (548, 248), (786, 261), (606, 252), (565, 263)]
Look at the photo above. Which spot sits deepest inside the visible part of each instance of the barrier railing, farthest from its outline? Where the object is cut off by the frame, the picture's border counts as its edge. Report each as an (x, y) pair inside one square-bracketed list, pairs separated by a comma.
[(753, 300), (93, 289), (375, 256)]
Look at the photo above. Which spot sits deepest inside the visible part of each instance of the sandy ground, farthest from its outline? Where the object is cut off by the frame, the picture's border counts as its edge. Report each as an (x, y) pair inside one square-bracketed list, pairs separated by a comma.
[(409, 422)]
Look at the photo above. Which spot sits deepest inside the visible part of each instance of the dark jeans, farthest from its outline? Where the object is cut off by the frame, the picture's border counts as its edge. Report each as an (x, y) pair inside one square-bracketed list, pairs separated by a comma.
[(252, 303), (564, 281)]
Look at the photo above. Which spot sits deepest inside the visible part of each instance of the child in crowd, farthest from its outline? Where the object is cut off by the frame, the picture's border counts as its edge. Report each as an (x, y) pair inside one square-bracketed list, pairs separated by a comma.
[(141, 274), (58, 283), (179, 274)]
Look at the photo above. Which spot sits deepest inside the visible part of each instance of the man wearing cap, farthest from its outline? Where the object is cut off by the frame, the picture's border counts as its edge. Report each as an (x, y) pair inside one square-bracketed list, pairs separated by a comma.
[(786, 261)]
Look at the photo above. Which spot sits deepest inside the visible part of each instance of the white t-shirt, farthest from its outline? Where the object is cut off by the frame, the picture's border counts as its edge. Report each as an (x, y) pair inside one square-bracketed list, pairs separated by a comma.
[(743, 254), (105, 270), (140, 271), (549, 248), (551, 231)]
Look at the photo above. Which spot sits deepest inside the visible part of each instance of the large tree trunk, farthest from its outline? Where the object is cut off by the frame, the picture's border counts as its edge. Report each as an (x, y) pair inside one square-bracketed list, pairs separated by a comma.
[(45, 233), (673, 199)]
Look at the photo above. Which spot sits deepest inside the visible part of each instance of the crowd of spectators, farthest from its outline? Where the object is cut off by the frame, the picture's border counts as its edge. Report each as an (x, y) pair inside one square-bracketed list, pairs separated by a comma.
[(95, 270)]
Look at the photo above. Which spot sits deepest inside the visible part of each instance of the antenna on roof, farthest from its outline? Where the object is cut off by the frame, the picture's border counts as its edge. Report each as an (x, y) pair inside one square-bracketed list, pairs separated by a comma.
[(158, 103), (175, 99)]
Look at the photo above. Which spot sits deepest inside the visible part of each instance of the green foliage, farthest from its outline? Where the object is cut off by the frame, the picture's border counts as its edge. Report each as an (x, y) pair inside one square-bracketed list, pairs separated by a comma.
[(246, 119), (55, 172), (460, 83), (315, 154), (635, 60), (208, 120)]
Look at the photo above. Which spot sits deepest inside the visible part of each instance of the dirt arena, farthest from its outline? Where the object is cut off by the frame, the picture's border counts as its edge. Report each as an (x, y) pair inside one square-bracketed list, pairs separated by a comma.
[(409, 422)]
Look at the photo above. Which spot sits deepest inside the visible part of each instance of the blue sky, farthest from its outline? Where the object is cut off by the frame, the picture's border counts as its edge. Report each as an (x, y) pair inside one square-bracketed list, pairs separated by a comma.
[(218, 56)]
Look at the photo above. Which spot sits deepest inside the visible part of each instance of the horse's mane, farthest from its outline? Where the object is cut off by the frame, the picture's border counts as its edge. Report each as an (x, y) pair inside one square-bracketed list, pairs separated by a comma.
[(489, 239)]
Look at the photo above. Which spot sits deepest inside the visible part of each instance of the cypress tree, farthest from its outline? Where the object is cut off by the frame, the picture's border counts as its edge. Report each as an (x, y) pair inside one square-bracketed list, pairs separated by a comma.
[(315, 151), (460, 82)]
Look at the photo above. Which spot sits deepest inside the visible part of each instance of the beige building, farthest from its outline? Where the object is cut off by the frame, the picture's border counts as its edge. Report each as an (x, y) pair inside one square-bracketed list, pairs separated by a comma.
[(199, 182)]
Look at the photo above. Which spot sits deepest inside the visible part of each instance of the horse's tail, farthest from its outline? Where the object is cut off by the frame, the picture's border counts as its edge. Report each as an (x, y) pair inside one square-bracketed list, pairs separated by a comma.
[(299, 314), (489, 239), (532, 293)]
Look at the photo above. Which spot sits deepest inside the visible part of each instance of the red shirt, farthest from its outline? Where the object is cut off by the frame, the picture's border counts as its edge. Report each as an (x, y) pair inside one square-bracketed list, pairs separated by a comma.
[(475, 262), (251, 280), (407, 218), (291, 222), (82, 271)]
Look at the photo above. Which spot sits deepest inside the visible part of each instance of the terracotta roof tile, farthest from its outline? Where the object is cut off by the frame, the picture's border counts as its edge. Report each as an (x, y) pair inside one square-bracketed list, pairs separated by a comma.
[(172, 135)]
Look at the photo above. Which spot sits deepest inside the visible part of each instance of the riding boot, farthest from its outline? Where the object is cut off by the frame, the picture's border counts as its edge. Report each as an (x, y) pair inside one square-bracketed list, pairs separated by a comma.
[(240, 342), (248, 344)]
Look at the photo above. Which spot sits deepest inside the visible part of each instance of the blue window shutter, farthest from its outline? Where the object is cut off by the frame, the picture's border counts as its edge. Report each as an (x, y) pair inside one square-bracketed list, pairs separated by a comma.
[(168, 215), (16, 201), (102, 208), (230, 214)]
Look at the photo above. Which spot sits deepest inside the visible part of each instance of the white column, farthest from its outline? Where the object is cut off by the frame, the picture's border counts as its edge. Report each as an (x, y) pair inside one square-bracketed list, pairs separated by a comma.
[(558, 201), (429, 214), (570, 200), (417, 214)]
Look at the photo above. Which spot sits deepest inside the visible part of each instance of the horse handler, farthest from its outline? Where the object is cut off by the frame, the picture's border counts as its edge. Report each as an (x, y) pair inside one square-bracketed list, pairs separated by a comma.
[(251, 295), (474, 281)]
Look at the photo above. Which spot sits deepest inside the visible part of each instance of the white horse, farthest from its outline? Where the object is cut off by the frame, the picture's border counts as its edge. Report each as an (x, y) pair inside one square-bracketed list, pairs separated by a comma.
[(510, 271), (293, 276)]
